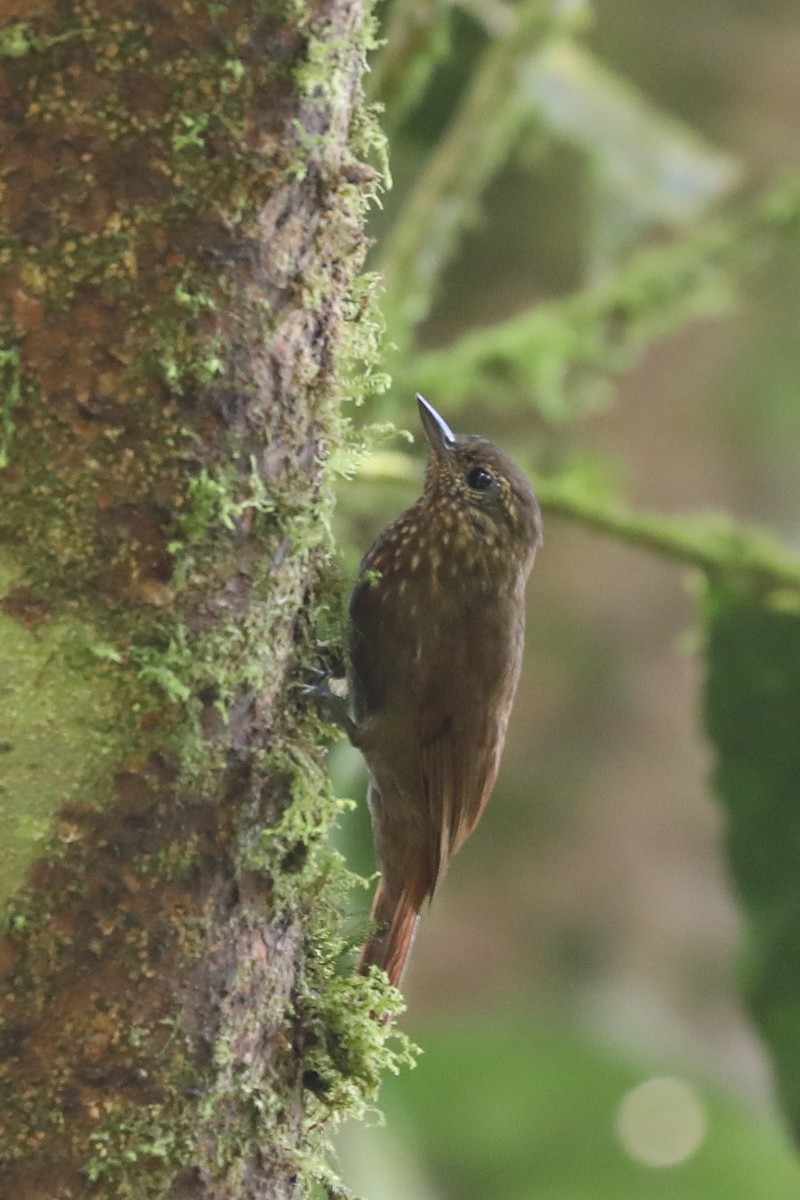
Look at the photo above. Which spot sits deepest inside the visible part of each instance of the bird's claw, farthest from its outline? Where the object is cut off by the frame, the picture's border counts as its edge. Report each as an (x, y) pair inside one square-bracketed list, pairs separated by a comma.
[(335, 708)]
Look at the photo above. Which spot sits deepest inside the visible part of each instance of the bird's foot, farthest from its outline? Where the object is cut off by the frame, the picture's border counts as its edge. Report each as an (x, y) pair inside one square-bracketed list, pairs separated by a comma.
[(330, 659), (334, 707)]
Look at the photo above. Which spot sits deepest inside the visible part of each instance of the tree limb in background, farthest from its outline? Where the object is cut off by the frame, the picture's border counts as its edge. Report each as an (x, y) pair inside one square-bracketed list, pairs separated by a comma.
[(477, 142), (558, 355), (414, 42), (749, 559)]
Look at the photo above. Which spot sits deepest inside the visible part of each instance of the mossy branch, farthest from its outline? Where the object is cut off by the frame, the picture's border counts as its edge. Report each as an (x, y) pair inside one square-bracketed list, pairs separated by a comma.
[(416, 40), (748, 558), (477, 142), (558, 354)]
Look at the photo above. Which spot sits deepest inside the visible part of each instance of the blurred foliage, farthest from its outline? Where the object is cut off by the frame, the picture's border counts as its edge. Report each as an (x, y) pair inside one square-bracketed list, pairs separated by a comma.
[(753, 717), (518, 1112), (559, 356), (486, 104)]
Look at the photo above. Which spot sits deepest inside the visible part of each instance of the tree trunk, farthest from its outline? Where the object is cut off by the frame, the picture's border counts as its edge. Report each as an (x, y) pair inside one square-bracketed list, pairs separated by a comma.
[(182, 206)]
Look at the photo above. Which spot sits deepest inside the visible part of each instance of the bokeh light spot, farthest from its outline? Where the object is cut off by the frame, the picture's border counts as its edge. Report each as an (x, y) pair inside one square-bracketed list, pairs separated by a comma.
[(661, 1122)]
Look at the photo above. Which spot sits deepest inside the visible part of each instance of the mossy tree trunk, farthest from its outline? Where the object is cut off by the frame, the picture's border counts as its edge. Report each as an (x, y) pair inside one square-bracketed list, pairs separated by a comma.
[(183, 196)]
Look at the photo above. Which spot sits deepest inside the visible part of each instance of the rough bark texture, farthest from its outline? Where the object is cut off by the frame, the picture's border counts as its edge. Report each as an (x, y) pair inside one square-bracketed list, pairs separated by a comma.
[(182, 206)]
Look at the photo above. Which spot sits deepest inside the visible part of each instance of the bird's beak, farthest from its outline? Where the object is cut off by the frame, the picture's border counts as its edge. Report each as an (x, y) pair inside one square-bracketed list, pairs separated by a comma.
[(437, 431)]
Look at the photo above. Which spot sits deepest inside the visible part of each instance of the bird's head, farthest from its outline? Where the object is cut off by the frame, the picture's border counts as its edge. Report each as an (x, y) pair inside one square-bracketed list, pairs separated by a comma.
[(476, 487)]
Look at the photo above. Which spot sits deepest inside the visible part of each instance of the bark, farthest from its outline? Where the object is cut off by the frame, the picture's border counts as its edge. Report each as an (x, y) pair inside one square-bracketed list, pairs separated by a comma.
[(183, 193)]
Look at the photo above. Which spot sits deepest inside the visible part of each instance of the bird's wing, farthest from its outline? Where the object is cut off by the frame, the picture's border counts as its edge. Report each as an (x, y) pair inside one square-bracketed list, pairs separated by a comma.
[(368, 666), (463, 717), (456, 789)]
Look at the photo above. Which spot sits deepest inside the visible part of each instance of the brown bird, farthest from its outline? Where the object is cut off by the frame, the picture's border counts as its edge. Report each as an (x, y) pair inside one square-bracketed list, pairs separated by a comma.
[(437, 631)]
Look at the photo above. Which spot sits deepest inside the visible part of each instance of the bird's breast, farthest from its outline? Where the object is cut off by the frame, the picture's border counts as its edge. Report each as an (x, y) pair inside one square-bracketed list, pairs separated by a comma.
[(418, 630)]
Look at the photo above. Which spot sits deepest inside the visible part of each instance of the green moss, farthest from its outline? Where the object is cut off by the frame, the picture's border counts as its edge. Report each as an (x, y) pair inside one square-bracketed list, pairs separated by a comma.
[(144, 1136), (166, 669), (361, 363), (10, 395), (349, 1040), (211, 503), (749, 559), (59, 705), (561, 354), (16, 40), (284, 850), (104, 258)]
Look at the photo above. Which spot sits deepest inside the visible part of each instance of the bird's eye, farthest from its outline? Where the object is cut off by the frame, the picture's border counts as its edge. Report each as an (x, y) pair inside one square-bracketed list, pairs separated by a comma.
[(479, 479)]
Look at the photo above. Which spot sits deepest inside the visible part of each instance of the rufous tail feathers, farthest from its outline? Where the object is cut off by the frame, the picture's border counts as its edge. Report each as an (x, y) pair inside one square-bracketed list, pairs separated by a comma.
[(394, 928)]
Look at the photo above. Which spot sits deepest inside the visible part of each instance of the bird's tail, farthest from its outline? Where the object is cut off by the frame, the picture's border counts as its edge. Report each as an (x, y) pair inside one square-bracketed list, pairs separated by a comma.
[(394, 927)]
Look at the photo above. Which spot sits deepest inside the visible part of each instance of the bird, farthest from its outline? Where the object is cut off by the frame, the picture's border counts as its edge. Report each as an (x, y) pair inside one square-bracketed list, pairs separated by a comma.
[(437, 621)]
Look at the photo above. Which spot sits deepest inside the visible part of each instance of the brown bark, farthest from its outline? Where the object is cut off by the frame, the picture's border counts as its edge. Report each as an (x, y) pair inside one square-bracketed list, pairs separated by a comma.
[(182, 206)]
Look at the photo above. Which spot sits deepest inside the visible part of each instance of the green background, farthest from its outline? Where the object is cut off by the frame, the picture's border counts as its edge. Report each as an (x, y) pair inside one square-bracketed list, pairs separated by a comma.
[(608, 287)]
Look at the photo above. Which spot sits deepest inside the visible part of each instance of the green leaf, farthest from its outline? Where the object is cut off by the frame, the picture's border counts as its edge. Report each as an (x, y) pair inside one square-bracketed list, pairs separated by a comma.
[(752, 711)]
